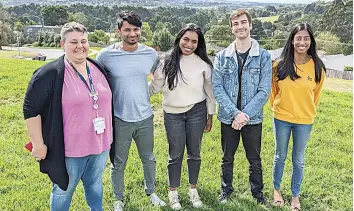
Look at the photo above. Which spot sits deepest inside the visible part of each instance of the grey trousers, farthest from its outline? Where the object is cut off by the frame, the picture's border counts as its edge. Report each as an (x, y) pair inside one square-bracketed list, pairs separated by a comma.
[(143, 134), (185, 130)]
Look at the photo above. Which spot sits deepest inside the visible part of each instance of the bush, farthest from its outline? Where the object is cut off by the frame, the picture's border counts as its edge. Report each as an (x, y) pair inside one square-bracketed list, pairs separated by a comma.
[(148, 43), (348, 68), (211, 52), (36, 44)]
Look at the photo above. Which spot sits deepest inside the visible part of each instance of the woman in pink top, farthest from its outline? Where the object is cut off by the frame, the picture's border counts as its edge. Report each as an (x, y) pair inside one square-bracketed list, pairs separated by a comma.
[(68, 112)]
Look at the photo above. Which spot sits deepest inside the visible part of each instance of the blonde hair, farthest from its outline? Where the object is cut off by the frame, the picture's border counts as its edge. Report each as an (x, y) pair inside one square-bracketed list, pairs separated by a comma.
[(238, 13), (72, 27)]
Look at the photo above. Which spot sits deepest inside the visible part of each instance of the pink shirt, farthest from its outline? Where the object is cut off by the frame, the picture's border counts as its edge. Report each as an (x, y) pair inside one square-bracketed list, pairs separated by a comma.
[(80, 138)]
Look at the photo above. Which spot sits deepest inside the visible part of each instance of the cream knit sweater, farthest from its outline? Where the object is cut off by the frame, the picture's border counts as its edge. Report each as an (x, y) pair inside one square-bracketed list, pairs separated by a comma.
[(195, 88)]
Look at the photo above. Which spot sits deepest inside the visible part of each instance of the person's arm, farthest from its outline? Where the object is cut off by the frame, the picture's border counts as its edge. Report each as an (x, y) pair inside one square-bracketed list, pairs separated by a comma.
[(34, 130), (220, 93), (318, 88), (264, 87), (275, 88), (208, 88), (36, 101), (158, 80), (210, 99)]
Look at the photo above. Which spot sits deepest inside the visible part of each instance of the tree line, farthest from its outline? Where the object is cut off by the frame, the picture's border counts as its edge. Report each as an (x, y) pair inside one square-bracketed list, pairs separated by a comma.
[(332, 22)]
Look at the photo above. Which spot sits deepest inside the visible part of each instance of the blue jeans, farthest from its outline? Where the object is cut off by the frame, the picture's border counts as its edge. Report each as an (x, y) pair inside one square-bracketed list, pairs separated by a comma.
[(301, 135), (89, 169)]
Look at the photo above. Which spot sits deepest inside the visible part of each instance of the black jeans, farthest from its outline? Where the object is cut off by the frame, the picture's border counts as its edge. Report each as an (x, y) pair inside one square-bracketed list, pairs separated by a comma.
[(251, 139), (185, 130)]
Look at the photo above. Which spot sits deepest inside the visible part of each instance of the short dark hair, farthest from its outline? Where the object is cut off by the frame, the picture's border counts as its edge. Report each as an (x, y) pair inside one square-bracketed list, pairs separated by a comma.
[(130, 17)]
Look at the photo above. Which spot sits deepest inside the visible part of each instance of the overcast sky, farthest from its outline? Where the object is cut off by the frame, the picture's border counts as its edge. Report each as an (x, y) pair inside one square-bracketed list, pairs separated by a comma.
[(285, 1)]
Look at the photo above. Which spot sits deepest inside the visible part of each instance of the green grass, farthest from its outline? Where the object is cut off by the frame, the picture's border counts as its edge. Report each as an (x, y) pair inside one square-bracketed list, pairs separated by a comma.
[(14, 53), (328, 173), (269, 19)]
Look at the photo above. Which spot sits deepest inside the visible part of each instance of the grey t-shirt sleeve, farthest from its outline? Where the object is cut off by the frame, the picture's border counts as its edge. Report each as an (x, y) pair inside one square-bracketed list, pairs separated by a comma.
[(100, 57), (156, 63)]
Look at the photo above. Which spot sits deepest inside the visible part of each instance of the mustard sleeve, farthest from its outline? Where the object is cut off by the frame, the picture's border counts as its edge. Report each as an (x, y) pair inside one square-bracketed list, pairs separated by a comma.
[(318, 89), (275, 87)]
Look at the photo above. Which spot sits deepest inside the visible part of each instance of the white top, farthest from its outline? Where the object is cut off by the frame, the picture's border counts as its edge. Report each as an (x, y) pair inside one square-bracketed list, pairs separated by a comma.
[(195, 87)]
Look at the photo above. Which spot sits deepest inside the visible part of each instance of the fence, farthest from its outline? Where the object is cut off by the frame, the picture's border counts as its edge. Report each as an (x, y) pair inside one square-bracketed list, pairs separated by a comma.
[(347, 75), (93, 44)]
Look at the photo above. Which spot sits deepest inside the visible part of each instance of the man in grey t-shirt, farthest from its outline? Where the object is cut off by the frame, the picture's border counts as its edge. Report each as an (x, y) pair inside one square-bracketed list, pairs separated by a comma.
[(128, 65)]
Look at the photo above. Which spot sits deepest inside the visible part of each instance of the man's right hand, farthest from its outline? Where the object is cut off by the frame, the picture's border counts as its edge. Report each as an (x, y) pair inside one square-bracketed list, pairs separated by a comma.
[(39, 151), (240, 120)]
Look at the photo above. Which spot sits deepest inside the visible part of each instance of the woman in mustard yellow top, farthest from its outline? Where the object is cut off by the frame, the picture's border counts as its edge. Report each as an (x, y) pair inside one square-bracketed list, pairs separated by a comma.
[(297, 83)]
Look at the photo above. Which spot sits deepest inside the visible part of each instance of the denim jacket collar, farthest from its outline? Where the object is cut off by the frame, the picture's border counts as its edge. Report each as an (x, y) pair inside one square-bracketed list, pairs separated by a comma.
[(230, 51)]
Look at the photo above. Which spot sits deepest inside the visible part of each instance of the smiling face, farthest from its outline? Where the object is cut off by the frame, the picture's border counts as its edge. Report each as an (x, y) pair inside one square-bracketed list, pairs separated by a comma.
[(241, 27), (129, 33), (301, 42), (188, 42), (76, 46)]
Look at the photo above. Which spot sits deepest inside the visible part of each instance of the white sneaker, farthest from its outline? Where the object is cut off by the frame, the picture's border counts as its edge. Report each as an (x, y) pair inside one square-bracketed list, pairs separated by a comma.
[(156, 201), (194, 198), (174, 200), (118, 205)]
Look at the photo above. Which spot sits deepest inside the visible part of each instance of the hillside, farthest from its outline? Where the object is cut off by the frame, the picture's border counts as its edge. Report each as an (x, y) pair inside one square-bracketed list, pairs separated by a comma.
[(327, 180)]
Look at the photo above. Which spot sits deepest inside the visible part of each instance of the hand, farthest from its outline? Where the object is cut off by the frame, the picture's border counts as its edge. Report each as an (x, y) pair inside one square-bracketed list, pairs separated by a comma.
[(151, 76), (240, 120), (39, 151), (237, 126), (209, 124)]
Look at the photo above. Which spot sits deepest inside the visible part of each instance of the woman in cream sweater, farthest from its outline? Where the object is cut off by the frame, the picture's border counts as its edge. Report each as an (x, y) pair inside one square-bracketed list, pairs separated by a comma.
[(184, 78)]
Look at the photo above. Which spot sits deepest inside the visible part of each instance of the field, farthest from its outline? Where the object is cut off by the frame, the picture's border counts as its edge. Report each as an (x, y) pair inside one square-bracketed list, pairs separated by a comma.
[(14, 53), (269, 19), (328, 173)]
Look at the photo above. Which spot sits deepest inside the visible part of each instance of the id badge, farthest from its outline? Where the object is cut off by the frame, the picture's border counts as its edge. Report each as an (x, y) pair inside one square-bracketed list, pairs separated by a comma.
[(99, 124)]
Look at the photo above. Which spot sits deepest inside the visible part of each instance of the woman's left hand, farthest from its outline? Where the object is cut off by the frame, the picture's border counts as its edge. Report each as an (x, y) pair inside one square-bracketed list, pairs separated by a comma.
[(209, 124)]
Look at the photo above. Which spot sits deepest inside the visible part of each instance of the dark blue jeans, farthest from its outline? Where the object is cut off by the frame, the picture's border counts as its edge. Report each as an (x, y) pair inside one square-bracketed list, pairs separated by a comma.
[(251, 139), (185, 129)]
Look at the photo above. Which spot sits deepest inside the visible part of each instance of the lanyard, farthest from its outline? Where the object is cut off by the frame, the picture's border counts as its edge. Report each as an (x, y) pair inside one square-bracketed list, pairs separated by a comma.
[(90, 86)]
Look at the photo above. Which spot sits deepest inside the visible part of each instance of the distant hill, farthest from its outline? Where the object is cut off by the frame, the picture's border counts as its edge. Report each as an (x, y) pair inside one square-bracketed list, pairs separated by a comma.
[(151, 3)]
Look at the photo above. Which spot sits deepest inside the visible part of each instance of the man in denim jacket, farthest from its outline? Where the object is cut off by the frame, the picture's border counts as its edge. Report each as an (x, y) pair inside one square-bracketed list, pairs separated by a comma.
[(242, 83)]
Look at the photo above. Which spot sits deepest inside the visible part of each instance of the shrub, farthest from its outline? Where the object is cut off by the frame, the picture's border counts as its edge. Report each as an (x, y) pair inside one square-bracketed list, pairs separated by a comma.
[(211, 52), (348, 68)]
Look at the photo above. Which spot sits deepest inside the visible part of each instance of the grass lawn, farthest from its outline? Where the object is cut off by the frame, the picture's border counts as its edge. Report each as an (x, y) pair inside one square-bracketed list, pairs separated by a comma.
[(328, 173), (14, 53), (269, 19)]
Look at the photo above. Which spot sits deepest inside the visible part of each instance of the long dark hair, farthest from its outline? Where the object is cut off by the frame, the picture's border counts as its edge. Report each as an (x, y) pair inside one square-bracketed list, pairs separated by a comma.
[(172, 69), (286, 60)]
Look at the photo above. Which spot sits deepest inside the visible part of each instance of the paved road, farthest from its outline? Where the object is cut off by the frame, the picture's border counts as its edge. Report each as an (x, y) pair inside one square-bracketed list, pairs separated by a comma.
[(49, 52)]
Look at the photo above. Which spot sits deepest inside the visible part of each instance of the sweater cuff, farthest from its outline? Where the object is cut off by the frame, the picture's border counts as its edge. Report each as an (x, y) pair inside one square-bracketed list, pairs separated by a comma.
[(211, 108)]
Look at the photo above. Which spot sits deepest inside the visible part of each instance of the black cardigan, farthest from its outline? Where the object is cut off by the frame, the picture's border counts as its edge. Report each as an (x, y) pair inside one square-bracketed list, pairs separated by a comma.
[(43, 97)]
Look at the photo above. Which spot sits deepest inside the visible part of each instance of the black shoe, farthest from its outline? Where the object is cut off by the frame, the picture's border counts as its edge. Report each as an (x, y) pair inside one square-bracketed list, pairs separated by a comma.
[(223, 197), (260, 198)]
